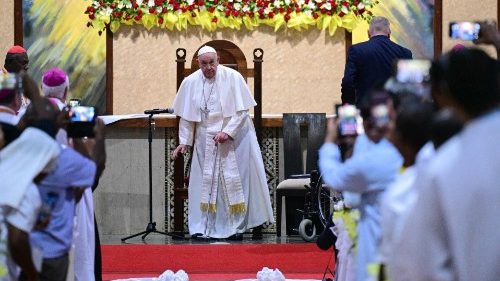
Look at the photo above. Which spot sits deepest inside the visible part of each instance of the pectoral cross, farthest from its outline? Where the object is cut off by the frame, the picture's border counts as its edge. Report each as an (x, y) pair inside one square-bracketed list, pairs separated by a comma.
[(205, 111)]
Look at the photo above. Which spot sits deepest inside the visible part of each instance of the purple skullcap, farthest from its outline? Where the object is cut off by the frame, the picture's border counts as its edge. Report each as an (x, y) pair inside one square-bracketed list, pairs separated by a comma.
[(54, 83), (54, 77), (457, 47)]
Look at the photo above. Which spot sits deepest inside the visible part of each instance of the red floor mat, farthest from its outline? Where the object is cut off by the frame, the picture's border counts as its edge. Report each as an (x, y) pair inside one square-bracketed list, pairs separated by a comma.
[(214, 261)]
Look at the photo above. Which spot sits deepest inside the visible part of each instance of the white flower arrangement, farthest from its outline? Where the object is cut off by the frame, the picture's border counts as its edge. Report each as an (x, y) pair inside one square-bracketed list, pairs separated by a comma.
[(267, 274), (169, 275), (339, 206)]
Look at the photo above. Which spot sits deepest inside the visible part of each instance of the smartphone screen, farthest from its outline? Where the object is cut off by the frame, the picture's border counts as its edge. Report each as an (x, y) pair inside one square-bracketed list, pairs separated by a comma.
[(347, 120), (82, 114), (413, 71), (81, 121), (465, 30)]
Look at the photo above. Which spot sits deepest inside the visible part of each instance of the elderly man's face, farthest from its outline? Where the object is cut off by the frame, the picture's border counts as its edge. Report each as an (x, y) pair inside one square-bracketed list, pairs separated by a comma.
[(208, 64)]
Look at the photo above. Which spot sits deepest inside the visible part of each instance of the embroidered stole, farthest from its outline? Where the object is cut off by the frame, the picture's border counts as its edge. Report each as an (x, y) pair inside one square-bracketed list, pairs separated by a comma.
[(220, 171)]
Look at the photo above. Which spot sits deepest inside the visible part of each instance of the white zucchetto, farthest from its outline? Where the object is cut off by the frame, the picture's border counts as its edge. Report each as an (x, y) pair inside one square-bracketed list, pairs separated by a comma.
[(206, 49)]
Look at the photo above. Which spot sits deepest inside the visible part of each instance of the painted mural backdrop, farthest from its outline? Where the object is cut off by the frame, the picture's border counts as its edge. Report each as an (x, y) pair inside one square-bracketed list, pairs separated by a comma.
[(411, 24), (56, 35)]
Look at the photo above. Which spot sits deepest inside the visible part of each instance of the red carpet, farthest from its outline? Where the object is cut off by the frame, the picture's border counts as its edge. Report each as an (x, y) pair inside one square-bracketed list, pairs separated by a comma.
[(214, 262)]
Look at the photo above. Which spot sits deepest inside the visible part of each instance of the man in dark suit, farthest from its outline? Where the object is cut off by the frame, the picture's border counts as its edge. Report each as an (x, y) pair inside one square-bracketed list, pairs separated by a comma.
[(371, 63)]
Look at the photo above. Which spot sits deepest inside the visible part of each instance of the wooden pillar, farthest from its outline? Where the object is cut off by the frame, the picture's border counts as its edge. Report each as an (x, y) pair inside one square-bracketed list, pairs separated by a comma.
[(438, 27), (180, 191), (258, 55), (18, 23), (109, 71)]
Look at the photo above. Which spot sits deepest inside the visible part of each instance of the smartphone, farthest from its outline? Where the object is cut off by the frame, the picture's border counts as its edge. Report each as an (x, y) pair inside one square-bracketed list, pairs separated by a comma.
[(347, 119), (413, 71), (81, 121), (380, 115), (74, 102), (464, 30)]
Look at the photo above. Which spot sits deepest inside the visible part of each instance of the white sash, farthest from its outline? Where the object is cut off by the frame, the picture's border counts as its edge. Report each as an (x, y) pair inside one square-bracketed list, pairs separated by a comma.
[(219, 166)]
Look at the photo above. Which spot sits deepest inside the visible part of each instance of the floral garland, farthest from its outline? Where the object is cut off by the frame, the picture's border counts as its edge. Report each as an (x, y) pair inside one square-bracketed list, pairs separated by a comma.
[(215, 14)]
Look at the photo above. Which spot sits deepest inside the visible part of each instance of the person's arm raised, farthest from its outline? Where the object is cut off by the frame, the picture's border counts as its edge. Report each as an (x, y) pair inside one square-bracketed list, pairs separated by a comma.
[(98, 152), (489, 35)]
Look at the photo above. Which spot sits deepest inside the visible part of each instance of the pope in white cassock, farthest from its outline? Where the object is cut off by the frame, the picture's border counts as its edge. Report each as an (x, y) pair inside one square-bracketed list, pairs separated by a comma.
[(228, 191)]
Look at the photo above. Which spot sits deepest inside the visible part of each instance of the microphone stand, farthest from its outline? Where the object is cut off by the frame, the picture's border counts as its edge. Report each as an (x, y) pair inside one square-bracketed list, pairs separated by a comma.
[(151, 227)]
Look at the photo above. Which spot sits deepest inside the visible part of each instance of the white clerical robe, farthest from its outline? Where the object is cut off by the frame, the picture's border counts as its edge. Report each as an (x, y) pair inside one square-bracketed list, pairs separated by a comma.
[(84, 238), (452, 232), (231, 174), (21, 161)]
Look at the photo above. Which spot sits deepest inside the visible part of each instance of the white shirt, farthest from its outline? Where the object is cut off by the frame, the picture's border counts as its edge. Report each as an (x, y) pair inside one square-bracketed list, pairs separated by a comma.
[(397, 202), (23, 218), (453, 232)]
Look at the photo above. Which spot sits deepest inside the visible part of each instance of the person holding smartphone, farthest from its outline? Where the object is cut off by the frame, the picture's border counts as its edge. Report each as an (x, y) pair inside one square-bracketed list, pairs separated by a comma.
[(86, 263), (372, 167)]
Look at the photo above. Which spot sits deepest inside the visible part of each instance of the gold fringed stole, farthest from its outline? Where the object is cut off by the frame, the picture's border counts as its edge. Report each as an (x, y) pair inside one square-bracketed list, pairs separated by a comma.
[(233, 209), (211, 208), (237, 209)]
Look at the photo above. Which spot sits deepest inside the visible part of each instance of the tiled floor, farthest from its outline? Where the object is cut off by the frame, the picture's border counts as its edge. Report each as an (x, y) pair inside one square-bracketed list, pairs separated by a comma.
[(155, 238)]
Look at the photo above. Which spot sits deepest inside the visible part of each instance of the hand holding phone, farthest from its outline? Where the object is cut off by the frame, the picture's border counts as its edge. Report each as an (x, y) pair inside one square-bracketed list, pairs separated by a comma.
[(81, 121), (489, 33), (347, 116)]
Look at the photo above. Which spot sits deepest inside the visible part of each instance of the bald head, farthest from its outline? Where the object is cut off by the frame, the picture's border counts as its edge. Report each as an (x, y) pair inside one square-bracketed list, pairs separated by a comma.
[(379, 26)]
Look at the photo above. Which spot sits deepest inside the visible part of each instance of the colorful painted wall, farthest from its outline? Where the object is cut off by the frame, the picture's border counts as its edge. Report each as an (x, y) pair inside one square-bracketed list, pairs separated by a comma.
[(411, 25)]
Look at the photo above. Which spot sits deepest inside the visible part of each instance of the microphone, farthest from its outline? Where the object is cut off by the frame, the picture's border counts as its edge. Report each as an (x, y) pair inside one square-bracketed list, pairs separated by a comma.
[(159, 110)]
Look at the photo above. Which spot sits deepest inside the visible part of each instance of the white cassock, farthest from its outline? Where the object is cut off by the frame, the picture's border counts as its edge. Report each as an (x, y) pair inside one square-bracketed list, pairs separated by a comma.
[(344, 229), (20, 162), (228, 191), (84, 238)]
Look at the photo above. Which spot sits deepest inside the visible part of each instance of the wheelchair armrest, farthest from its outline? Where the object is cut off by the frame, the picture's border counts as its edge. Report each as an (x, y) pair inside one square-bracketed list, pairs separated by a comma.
[(300, 176)]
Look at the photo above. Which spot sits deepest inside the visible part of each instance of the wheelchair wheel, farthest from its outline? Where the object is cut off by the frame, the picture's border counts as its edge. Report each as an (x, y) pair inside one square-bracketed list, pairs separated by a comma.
[(307, 230), (326, 199)]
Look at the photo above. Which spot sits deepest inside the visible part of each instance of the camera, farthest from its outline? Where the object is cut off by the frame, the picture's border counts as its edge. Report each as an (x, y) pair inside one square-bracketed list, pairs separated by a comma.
[(464, 30), (410, 76), (81, 121), (380, 115), (74, 102), (348, 118)]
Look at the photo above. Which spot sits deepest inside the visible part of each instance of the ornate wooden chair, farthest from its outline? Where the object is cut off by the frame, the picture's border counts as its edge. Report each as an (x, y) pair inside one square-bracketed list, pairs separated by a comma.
[(231, 56)]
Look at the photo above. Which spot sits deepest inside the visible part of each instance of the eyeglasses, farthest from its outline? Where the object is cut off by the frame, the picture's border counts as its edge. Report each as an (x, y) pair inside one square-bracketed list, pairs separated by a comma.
[(208, 64)]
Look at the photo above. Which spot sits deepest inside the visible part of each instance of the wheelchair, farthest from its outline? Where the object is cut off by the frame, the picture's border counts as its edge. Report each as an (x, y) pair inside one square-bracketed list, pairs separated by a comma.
[(318, 207)]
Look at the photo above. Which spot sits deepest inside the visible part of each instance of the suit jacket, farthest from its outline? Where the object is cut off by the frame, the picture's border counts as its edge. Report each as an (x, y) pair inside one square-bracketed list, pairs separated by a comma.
[(369, 64)]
